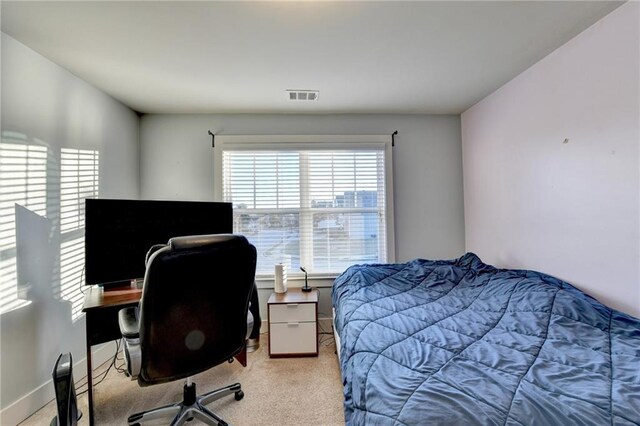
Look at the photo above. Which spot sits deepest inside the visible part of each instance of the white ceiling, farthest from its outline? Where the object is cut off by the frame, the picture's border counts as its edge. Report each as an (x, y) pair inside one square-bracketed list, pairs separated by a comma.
[(364, 57)]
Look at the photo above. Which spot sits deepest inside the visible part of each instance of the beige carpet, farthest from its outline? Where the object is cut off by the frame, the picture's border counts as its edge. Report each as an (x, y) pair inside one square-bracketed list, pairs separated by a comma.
[(287, 391)]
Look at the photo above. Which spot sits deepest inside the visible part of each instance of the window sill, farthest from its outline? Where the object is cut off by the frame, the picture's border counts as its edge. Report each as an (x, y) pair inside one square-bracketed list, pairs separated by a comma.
[(315, 280)]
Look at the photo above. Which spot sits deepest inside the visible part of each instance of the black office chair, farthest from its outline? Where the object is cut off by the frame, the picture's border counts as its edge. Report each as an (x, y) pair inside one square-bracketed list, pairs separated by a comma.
[(193, 315)]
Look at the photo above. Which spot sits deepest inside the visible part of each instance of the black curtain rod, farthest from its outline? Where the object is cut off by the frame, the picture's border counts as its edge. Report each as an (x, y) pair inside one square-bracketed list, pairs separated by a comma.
[(213, 138)]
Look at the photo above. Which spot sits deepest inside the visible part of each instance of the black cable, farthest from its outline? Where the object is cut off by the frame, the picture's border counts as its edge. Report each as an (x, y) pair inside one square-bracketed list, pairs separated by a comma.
[(121, 368), (81, 280), (323, 330), (81, 384), (104, 375), (327, 340)]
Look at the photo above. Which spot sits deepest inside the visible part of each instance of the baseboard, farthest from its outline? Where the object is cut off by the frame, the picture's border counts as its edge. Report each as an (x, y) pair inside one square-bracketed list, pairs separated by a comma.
[(28, 404)]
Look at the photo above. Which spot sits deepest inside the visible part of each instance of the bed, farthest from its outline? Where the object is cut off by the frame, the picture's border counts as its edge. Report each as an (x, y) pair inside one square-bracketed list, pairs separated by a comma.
[(462, 342)]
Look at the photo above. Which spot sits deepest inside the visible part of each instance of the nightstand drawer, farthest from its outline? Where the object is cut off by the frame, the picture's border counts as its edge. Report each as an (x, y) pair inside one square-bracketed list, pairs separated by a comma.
[(292, 312), (293, 338)]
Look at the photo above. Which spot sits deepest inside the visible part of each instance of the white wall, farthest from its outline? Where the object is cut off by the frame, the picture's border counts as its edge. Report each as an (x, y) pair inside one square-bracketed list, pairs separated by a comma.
[(177, 163), (46, 106), (567, 209)]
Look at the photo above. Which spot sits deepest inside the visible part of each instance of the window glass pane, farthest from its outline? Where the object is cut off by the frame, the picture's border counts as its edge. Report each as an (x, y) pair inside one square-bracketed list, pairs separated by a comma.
[(343, 239), (265, 179), (332, 174), (275, 235)]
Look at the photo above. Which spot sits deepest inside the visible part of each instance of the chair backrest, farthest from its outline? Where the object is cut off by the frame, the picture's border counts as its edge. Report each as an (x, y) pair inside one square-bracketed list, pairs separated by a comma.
[(193, 311)]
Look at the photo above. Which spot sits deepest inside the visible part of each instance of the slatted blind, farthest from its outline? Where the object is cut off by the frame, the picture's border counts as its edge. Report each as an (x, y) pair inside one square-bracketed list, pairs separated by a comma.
[(79, 179), (324, 209), (23, 181)]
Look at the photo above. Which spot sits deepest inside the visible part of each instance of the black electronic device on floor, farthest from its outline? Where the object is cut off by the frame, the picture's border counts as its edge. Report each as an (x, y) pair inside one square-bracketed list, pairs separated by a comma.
[(66, 403)]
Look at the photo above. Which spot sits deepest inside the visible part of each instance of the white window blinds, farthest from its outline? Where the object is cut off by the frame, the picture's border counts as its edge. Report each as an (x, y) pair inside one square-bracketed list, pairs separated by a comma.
[(318, 205)]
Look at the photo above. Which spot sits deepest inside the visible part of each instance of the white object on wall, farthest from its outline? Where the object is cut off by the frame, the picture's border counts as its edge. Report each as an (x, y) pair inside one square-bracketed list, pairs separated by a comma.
[(280, 282)]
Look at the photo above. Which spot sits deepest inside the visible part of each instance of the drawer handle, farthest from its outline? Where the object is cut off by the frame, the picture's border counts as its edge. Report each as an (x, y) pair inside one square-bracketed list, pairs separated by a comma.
[(293, 324), (292, 305)]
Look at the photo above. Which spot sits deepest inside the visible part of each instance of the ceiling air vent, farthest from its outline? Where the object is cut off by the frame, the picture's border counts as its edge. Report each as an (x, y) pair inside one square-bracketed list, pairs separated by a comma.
[(303, 95)]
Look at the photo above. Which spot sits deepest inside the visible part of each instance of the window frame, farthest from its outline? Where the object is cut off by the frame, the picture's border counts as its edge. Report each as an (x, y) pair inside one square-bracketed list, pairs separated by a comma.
[(314, 142)]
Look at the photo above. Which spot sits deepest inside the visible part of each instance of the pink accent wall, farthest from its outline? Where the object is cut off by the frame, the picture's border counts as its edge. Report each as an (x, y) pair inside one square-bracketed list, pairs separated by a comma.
[(570, 209)]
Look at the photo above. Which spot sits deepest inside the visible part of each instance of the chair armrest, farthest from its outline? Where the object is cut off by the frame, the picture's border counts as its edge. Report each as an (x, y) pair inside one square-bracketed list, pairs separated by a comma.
[(129, 328), (128, 321)]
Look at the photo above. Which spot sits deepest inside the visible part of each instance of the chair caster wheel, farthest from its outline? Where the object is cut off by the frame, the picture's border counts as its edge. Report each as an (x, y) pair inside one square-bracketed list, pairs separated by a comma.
[(239, 395)]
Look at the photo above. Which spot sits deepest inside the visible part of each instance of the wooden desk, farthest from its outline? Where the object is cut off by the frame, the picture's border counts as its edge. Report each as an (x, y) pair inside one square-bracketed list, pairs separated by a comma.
[(101, 315)]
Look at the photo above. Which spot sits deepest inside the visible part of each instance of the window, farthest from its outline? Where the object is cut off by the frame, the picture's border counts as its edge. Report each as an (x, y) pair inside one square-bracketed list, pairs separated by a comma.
[(322, 202)]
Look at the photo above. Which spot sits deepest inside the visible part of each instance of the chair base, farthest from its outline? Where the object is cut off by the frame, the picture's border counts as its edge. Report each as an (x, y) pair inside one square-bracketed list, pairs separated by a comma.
[(191, 406)]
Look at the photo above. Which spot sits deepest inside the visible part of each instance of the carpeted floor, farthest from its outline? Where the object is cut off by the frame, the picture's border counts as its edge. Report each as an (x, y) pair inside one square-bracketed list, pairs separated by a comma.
[(286, 391)]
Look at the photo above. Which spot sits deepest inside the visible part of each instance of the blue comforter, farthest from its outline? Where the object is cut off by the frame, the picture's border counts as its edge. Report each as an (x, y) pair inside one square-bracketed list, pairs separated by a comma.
[(461, 342)]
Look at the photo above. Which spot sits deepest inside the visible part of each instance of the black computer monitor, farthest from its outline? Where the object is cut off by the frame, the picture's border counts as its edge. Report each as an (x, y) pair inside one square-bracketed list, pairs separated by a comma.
[(118, 233)]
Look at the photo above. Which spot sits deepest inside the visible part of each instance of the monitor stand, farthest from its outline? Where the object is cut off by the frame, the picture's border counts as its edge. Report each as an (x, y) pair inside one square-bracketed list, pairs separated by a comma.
[(118, 285)]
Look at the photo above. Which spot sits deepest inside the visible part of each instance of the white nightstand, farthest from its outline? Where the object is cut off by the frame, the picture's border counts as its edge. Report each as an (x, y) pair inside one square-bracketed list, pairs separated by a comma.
[(293, 323)]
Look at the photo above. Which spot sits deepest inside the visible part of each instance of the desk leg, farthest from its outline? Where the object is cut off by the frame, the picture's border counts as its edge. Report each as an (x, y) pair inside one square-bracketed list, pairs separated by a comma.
[(89, 381)]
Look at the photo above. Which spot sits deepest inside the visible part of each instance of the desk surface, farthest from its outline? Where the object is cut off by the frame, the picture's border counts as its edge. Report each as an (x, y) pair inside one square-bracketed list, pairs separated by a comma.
[(98, 298)]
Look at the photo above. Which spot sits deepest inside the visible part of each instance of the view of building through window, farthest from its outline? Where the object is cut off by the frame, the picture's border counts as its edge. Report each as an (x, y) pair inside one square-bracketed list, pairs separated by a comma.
[(324, 210)]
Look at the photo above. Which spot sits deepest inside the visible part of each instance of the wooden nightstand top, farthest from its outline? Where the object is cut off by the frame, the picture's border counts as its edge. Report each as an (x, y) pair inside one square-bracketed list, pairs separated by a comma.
[(294, 295)]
